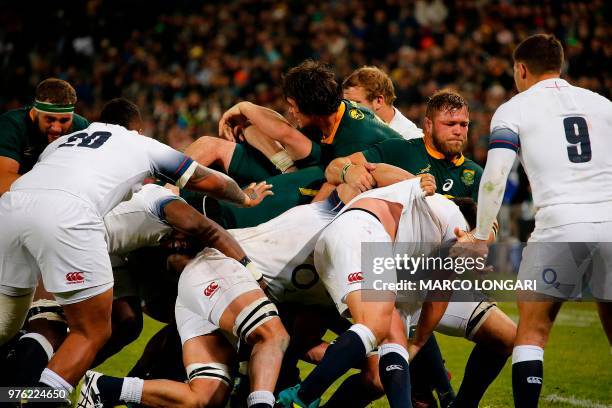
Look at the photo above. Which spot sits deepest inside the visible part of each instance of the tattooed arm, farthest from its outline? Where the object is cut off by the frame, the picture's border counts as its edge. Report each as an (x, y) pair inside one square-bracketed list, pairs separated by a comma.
[(223, 187)]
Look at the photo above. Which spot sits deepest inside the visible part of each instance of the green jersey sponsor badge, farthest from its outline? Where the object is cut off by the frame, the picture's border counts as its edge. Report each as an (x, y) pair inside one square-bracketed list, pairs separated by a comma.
[(467, 177), (356, 114)]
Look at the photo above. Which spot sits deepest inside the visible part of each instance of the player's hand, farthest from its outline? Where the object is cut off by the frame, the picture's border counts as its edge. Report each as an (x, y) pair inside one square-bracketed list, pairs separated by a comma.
[(231, 118), (359, 177), (468, 246), (255, 193), (428, 184)]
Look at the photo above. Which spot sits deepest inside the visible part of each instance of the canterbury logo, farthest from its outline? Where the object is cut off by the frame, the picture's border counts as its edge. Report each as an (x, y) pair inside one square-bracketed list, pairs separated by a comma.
[(394, 367), (210, 289), (355, 277), (534, 380), (75, 277)]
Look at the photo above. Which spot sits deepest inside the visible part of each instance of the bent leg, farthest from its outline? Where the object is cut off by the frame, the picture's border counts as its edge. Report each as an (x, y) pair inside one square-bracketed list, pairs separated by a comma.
[(126, 320), (90, 327), (494, 341), (208, 385), (13, 313), (210, 150)]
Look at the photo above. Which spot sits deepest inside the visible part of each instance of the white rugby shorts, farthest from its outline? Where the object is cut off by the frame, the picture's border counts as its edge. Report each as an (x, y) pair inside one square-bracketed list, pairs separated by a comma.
[(207, 286), (338, 253), (56, 235), (563, 259)]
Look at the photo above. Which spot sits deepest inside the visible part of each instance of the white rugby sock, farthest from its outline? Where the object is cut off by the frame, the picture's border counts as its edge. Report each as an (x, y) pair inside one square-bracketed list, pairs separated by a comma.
[(261, 397), (52, 379), (131, 390)]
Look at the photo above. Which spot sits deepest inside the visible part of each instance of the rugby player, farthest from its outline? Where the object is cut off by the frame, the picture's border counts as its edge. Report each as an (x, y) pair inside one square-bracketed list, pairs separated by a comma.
[(54, 209), (371, 87), (143, 221), (571, 183), (396, 213), (328, 127), (439, 153), (25, 132)]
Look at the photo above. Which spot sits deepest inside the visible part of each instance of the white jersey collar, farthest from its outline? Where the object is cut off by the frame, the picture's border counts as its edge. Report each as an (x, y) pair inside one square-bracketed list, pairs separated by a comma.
[(551, 83)]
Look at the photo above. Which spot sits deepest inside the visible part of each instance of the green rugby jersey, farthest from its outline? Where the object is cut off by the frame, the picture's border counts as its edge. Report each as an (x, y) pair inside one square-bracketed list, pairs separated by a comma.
[(457, 178), (290, 190), (356, 128), (21, 140)]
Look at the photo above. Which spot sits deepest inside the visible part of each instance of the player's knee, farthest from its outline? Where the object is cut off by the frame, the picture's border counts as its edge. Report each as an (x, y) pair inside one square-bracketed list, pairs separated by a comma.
[(198, 399), (380, 329), (259, 322), (209, 149), (214, 390), (273, 333), (205, 399)]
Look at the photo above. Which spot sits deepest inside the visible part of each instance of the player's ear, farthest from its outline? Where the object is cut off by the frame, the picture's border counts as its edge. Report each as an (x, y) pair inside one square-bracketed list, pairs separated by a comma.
[(427, 125), (379, 102), (522, 70)]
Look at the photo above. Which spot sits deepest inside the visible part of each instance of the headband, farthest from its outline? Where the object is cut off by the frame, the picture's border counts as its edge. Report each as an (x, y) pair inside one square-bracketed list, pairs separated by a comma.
[(52, 107)]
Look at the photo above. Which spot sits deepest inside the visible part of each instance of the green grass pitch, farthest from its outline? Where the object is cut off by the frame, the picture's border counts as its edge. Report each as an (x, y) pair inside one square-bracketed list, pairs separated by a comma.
[(578, 362)]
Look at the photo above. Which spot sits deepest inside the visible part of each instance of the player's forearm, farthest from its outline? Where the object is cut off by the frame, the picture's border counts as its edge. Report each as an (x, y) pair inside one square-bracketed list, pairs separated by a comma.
[(492, 188), (386, 174), (431, 314), (214, 236), (217, 185), (269, 122)]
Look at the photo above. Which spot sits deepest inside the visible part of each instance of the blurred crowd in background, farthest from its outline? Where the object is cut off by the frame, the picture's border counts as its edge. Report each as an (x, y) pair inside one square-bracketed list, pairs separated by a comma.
[(184, 62)]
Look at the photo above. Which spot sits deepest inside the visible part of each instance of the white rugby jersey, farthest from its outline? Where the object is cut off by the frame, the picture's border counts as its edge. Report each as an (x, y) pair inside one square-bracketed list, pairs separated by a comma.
[(563, 135), (139, 222), (103, 165), (283, 250), (427, 220), (404, 126)]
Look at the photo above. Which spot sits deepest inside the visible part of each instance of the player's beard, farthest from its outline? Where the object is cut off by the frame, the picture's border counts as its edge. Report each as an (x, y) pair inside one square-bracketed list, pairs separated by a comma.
[(50, 138), (450, 149)]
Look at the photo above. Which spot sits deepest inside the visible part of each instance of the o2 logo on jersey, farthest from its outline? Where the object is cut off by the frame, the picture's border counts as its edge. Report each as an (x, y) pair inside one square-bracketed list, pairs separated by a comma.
[(355, 277), (93, 141), (448, 184), (304, 276), (74, 277), (211, 289)]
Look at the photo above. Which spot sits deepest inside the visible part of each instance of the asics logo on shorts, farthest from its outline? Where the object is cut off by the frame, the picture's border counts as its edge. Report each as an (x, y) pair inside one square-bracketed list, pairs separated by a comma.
[(74, 277), (355, 277), (393, 367), (211, 289), (534, 380)]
